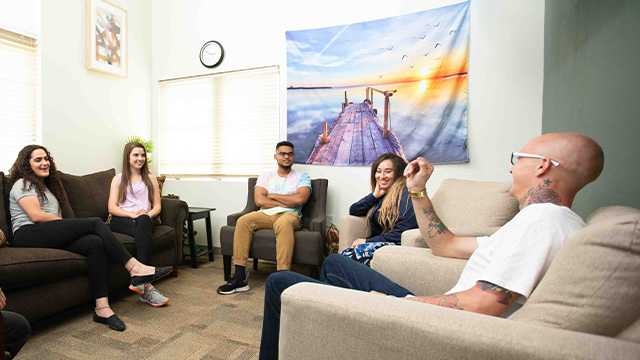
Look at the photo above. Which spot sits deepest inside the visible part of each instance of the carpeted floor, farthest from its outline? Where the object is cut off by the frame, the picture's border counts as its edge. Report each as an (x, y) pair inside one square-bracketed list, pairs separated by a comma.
[(196, 324)]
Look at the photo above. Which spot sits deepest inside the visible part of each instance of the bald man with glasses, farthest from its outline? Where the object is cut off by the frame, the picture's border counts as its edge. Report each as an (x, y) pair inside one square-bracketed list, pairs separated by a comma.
[(504, 268)]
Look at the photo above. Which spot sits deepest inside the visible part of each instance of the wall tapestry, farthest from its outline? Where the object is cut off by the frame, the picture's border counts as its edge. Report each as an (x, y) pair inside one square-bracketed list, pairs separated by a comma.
[(392, 85), (106, 38)]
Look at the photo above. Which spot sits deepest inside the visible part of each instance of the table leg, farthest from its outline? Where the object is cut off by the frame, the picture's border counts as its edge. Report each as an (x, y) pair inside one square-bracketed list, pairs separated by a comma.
[(209, 238), (192, 244)]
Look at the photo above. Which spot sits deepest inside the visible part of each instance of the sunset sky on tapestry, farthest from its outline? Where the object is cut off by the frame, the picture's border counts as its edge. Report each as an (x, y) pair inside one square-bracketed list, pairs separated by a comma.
[(412, 69)]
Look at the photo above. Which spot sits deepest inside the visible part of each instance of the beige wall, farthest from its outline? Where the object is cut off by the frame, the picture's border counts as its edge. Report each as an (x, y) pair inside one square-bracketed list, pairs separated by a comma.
[(88, 115), (505, 81)]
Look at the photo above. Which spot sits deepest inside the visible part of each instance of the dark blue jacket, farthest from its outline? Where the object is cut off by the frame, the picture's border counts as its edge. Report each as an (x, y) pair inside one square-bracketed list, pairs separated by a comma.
[(406, 220)]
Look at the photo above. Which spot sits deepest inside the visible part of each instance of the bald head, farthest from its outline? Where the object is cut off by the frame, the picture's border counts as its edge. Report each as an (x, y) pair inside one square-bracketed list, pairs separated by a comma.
[(581, 158)]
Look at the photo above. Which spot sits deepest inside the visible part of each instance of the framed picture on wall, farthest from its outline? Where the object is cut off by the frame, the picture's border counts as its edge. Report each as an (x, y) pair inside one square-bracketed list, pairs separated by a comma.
[(107, 43)]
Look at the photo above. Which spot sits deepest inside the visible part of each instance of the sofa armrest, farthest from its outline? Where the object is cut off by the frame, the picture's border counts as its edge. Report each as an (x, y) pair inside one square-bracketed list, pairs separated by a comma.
[(174, 213), (418, 270), (351, 228), (417, 330)]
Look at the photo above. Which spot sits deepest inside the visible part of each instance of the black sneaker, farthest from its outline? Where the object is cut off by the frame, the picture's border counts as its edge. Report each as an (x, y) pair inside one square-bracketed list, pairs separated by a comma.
[(234, 285)]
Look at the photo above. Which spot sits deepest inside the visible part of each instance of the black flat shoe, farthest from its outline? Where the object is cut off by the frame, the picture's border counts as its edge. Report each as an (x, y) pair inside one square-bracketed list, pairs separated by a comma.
[(159, 274), (113, 321)]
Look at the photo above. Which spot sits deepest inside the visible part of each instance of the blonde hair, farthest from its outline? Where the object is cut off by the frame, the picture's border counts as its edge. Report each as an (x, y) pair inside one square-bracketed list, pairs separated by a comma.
[(389, 211)]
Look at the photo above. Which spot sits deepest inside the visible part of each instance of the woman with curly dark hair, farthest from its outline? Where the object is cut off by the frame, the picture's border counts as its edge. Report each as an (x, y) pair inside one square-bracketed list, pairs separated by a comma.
[(35, 203), (388, 209)]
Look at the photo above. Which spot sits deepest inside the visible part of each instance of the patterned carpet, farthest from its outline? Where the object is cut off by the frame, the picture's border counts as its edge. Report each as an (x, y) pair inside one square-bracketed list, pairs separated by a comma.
[(196, 324)]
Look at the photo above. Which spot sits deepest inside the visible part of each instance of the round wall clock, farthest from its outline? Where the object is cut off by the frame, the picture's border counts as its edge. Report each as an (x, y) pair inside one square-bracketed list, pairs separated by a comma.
[(211, 54)]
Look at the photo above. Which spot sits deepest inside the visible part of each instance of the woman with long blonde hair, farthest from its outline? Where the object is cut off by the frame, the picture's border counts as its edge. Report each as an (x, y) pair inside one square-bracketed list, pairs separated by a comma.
[(134, 200), (388, 209)]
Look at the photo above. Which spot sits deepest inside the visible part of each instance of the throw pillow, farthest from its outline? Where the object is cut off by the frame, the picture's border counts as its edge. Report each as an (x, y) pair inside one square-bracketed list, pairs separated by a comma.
[(589, 285), (89, 194)]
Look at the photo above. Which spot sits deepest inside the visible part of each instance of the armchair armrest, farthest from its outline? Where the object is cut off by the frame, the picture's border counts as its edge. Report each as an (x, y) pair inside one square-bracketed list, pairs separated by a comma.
[(319, 224), (351, 228), (232, 219), (417, 330), (418, 269), (413, 238)]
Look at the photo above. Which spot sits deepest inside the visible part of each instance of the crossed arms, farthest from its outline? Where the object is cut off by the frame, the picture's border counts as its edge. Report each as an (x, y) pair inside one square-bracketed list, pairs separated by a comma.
[(265, 200)]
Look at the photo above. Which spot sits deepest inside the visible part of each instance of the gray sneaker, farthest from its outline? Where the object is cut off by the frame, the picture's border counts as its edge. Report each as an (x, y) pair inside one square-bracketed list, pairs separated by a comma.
[(153, 297)]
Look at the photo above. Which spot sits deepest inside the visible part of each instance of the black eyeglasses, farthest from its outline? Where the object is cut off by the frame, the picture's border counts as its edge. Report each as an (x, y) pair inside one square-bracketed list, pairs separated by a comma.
[(289, 154)]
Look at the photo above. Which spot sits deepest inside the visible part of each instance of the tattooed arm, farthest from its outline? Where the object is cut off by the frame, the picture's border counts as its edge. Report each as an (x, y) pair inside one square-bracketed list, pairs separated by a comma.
[(441, 241), (484, 298)]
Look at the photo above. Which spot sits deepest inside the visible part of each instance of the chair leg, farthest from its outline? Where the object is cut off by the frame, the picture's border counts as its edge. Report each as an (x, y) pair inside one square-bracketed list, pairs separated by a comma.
[(226, 260), (313, 271), (255, 264)]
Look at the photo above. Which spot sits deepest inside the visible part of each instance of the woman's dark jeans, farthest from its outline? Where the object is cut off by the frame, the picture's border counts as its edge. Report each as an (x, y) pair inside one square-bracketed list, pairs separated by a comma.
[(89, 237)]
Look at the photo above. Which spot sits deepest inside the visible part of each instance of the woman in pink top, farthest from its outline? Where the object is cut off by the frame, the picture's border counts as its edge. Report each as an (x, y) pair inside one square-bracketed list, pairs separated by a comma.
[(134, 200)]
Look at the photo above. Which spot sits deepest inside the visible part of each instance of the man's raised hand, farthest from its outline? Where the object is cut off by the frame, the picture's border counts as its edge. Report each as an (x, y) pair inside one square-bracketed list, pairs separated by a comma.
[(417, 173)]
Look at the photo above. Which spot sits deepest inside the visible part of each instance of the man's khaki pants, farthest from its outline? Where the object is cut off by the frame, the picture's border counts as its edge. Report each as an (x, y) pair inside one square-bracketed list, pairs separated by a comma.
[(284, 224)]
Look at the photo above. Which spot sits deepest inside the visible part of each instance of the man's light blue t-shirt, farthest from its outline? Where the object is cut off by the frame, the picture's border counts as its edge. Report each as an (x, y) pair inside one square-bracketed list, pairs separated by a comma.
[(284, 186)]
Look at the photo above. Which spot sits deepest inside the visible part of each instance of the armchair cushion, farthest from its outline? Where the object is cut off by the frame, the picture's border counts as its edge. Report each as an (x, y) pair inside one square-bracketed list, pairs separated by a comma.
[(474, 208), (595, 275)]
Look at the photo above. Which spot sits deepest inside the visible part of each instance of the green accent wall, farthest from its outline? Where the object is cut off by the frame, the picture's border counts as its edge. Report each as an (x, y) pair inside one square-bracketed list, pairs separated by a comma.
[(592, 86)]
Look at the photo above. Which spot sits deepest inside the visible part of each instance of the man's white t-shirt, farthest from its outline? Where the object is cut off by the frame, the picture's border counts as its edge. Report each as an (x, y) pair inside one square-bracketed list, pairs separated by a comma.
[(518, 255)]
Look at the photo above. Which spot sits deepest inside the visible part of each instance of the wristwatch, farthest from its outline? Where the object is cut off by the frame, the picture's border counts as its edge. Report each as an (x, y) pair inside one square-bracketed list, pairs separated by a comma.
[(418, 194)]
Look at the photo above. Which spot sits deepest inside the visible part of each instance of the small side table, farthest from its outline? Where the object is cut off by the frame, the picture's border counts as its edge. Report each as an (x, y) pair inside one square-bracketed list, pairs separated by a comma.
[(196, 213)]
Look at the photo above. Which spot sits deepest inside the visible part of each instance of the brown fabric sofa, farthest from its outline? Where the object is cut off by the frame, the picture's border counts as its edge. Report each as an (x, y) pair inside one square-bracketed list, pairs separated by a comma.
[(40, 282)]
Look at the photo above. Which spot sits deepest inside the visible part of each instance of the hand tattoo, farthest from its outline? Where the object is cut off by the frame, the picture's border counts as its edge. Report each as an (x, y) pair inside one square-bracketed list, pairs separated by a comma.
[(504, 296), (435, 226), (540, 194)]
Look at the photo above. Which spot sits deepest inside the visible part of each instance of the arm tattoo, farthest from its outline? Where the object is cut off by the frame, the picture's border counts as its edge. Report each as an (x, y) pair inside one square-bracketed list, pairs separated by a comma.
[(541, 194), (504, 296), (435, 226)]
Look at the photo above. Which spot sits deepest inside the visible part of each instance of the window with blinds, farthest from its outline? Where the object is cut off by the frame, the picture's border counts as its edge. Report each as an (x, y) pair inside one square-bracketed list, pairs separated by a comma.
[(19, 88), (220, 124)]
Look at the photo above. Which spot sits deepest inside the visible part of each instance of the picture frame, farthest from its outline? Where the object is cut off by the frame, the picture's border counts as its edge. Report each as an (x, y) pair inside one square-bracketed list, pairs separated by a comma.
[(107, 38)]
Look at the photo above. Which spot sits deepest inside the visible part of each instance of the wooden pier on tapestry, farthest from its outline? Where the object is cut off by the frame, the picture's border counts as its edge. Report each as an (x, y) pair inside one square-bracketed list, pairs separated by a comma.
[(358, 136)]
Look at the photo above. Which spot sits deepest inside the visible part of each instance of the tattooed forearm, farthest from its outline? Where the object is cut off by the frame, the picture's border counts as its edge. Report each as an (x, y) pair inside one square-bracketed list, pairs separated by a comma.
[(435, 226), (540, 194), (450, 301), (503, 295)]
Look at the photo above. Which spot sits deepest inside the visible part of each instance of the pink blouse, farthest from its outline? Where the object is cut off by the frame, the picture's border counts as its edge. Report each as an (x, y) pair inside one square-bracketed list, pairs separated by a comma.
[(137, 200)]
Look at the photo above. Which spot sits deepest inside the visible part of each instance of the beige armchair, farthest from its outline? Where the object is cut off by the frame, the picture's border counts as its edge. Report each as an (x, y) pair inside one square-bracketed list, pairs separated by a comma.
[(468, 208), (585, 307)]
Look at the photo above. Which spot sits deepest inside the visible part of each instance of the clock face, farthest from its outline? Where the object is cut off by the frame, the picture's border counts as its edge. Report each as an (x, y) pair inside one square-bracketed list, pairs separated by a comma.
[(211, 54)]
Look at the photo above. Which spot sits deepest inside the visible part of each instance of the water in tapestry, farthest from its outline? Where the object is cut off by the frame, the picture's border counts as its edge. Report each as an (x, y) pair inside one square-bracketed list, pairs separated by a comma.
[(391, 85)]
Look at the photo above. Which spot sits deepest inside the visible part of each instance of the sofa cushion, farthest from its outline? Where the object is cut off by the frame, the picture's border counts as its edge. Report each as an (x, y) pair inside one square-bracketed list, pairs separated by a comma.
[(474, 208), (89, 194), (593, 284), (23, 267)]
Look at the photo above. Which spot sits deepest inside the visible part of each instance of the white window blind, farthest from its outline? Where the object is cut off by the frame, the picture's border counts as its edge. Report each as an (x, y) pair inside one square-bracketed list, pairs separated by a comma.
[(220, 124), (19, 97)]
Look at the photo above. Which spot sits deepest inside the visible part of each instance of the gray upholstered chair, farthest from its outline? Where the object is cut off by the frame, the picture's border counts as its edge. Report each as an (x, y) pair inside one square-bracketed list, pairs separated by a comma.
[(309, 240)]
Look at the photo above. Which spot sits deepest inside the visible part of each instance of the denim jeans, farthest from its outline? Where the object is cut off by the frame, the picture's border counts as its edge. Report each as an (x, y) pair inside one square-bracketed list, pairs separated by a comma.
[(337, 270)]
